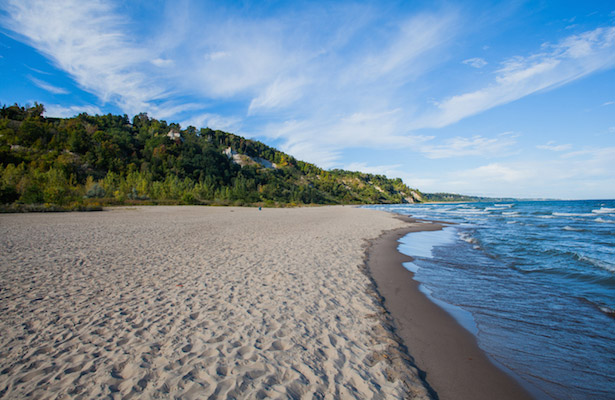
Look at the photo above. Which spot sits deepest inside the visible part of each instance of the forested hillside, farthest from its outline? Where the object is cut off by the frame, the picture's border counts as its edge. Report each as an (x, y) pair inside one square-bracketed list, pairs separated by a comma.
[(110, 159)]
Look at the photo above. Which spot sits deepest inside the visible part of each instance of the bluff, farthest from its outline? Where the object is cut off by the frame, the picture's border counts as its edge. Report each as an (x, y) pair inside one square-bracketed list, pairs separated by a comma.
[(111, 159)]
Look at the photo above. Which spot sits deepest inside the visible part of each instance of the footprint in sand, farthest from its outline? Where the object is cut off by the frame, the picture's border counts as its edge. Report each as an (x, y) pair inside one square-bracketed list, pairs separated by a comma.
[(279, 345), (222, 370), (244, 351)]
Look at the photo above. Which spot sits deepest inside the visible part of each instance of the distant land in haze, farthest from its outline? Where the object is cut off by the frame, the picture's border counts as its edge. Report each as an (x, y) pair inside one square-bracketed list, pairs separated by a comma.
[(89, 161), (454, 197)]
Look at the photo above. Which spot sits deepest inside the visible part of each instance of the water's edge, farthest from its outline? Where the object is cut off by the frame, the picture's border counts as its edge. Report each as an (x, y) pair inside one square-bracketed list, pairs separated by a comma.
[(534, 282), (446, 353), (420, 244)]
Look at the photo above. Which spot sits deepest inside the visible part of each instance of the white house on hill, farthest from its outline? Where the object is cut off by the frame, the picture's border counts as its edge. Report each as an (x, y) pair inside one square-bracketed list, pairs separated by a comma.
[(173, 134)]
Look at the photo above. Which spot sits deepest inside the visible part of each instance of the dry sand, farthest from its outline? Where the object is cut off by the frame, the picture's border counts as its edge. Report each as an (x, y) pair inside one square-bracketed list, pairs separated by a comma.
[(196, 302)]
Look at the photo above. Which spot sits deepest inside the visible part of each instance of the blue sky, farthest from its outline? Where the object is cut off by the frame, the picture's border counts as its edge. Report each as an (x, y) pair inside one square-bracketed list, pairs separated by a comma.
[(513, 98)]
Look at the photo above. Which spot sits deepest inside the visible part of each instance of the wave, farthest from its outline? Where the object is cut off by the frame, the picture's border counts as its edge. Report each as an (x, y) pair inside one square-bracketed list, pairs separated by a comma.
[(503, 205), (602, 280), (473, 211), (608, 311), (587, 260), (570, 228), (561, 214), (604, 221), (466, 237), (604, 210), (595, 262), (511, 213)]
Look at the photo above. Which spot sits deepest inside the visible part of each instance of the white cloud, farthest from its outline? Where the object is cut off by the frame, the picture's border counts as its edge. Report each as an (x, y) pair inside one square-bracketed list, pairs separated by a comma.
[(88, 41), (388, 170), (216, 55), (38, 71), (323, 156), (393, 171), (58, 111), (281, 93), (163, 62), (474, 146), (574, 57), (241, 58), (47, 86), (322, 141), (571, 176), (475, 62), (213, 121), (555, 147), (495, 172), (415, 37), (167, 109)]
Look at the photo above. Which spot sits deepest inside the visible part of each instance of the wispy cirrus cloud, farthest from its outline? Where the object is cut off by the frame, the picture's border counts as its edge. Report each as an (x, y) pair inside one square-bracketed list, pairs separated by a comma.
[(281, 93), (401, 57), (388, 170), (323, 141), (58, 111), (551, 145), (163, 62), (497, 172), (474, 146), (358, 102), (213, 121), (476, 62), (47, 86), (556, 64), (582, 171), (90, 42)]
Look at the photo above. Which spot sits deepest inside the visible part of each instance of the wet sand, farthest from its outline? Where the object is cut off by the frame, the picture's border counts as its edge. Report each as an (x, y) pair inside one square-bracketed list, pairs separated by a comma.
[(447, 355)]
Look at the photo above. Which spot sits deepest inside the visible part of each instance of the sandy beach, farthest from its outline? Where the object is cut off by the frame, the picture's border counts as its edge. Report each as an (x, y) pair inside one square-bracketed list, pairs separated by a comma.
[(196, 302)]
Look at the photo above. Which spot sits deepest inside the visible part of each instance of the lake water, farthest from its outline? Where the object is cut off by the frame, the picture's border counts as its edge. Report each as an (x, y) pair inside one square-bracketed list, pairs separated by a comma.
[(534, 281)]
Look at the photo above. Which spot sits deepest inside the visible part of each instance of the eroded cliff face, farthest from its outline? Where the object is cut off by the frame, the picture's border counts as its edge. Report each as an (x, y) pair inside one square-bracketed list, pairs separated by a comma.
[(413, 197)]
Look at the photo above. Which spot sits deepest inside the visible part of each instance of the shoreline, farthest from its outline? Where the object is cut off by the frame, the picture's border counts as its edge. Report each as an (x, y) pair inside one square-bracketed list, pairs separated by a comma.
[(446, 354)]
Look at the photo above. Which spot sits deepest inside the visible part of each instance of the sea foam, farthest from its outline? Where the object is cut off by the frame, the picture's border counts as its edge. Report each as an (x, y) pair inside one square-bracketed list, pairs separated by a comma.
[(604, 210)]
